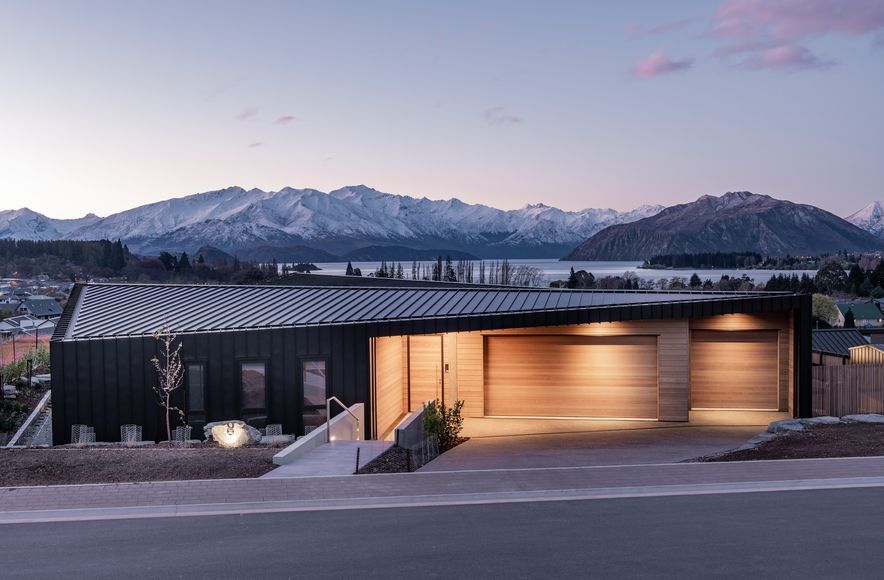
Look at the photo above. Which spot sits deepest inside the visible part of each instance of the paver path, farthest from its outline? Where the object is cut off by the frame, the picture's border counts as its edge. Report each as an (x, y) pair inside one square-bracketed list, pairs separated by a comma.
[(346, 490)]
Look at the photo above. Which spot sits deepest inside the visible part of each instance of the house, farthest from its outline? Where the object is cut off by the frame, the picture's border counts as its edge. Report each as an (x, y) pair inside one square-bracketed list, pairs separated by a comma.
[(867, 354), (865, 314), (831, 346), (643, 355), (44, 308), (26, 325)]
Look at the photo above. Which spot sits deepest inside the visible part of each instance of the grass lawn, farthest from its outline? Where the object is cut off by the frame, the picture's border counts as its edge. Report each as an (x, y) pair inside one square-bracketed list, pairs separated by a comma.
[(62, 466), (846, 440)]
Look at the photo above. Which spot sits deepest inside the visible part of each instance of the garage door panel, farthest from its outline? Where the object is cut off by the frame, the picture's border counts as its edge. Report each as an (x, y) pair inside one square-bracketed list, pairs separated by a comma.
[(734, 370), (571, 376)]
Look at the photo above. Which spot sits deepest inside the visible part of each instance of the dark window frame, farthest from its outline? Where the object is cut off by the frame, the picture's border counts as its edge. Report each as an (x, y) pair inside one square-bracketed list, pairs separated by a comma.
[(244, 411), (202, 413), (302, 359)]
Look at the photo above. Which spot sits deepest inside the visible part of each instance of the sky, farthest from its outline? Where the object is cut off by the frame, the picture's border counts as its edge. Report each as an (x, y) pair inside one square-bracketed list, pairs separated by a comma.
[(106, 105)]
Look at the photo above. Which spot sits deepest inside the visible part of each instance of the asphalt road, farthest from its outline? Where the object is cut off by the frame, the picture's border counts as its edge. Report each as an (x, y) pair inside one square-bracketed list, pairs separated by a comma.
[(802, 534)]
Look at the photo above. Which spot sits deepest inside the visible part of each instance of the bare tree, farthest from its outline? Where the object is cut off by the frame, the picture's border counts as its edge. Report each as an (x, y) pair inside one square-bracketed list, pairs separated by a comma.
[(170, 375)]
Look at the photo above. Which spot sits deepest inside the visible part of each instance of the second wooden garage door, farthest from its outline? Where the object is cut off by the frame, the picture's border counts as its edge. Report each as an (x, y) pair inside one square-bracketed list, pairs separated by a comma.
[(571, 376), (734, 370)]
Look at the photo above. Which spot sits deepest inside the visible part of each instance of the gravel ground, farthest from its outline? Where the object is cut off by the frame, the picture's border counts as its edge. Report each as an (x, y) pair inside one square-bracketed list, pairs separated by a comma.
[(849, 440), (393, 460), (61, 466)]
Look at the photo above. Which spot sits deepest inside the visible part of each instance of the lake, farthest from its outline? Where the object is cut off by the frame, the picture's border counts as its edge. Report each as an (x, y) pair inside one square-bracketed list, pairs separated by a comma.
[(556, 270)]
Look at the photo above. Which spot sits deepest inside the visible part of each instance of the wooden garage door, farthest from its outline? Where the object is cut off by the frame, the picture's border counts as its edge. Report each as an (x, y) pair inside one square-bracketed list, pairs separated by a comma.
[(734, 370), (571, 376)]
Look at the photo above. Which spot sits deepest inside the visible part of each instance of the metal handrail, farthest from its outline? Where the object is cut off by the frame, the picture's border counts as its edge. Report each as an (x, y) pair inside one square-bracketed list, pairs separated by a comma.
[(328, 417), (41, 406)]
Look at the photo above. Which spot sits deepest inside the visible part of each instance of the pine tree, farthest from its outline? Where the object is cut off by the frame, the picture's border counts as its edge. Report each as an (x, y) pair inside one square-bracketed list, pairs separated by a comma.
[(849, 319), (572, 278), (349, 271)]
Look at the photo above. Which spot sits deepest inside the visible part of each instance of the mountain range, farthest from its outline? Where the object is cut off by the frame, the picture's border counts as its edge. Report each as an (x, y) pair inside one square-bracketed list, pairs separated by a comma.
[(363, 224), (733, 222), (292, 223)]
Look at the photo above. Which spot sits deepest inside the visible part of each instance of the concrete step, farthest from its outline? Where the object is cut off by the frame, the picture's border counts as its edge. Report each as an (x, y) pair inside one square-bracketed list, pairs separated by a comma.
[(335, 458)]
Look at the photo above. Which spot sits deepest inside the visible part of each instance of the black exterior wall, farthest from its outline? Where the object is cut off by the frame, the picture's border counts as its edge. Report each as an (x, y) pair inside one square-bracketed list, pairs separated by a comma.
[(107, 382)]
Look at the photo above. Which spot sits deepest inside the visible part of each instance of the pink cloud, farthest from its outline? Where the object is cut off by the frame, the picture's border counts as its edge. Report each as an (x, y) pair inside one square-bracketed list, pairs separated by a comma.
[(658, 63), (662, 28), (247, 113), (787, 56), (256, 144), (284, 120), (773, 33)]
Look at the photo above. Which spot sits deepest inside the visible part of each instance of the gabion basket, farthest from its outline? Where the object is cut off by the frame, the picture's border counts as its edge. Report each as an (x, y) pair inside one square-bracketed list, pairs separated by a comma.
[(182, 434), (130, 434), (273, 430), (81, 434)]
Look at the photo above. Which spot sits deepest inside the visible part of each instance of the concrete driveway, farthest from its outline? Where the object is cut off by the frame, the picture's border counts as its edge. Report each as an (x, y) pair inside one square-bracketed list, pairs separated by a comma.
[(504, 443)]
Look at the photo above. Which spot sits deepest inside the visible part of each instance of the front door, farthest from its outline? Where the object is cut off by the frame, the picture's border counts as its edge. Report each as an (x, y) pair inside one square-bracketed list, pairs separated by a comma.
[(424, 370)]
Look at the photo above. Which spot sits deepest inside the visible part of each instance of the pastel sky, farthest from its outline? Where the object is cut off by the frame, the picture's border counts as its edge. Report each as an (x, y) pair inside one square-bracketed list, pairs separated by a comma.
[(105, 105)]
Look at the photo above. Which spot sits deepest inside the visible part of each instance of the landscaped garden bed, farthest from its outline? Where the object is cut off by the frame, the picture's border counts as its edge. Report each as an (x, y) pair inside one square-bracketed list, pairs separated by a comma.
[(70, 465), (819, 441)]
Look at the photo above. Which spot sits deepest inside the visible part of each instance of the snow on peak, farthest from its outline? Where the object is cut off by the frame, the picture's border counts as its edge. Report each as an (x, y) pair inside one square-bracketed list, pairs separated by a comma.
[(869, 218)]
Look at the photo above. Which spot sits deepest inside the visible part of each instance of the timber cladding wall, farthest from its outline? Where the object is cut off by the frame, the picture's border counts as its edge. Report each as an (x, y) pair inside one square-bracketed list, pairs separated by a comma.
[(672, 356), (673, 344), (391, 400), (781, 323)]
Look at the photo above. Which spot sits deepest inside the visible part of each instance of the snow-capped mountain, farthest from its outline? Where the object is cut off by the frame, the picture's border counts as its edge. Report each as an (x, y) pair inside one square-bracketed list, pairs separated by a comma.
[(25, 224), (870, 218), (235, 219)]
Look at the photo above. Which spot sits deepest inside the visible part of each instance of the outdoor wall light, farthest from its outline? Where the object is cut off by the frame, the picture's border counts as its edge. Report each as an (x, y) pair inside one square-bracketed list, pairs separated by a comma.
[(230, 435)]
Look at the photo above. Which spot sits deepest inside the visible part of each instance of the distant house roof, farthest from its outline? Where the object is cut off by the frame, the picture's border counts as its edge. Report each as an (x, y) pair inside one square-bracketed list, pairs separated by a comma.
[(27, 323), (861, 310), (869, 345), (109, 310), (837, 341), (42, 307)]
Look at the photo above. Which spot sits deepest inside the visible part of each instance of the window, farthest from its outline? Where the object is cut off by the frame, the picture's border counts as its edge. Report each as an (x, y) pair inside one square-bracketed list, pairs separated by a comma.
[(314, 381), (196, 390), (254, 389)]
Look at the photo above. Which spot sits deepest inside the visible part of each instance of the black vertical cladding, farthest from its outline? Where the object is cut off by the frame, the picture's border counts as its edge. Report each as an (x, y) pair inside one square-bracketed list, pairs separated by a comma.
[(97, 390), (125, 405), (83, 383), (111, 384), (61, 391), (804, 382)]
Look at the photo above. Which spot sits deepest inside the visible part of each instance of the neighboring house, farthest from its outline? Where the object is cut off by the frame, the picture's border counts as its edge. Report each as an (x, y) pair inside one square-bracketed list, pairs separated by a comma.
[(515, 352), (867, 354), (41, 308), (832, 346), (26, 325), (865, 314)]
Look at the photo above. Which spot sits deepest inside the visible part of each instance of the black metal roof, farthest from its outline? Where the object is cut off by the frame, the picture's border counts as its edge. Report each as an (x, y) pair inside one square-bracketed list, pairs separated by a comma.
[(116, 310), (837, 341)]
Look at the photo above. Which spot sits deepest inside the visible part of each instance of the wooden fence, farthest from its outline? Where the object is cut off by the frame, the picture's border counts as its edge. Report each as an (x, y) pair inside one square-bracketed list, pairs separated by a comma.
[(847, 389)]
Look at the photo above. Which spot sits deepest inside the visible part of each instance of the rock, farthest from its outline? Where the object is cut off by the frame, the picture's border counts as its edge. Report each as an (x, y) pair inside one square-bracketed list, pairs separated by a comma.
[(864, 418), (826, 420), (785, 425), (756, 441), (233, 433), (9, 391)]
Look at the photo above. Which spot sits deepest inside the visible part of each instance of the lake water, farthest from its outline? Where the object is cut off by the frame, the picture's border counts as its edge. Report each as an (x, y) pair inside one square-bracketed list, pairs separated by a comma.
[(556, 270)]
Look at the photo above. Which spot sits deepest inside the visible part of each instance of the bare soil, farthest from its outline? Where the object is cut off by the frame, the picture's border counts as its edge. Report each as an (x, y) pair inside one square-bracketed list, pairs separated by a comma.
[(68, 465), (848, 440)]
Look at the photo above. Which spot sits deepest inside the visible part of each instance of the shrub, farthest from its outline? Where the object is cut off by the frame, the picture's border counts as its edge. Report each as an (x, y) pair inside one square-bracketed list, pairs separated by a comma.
[(444, 422)]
